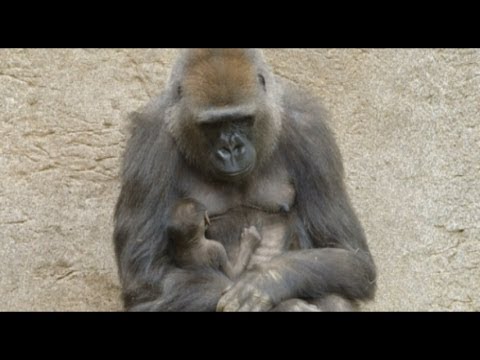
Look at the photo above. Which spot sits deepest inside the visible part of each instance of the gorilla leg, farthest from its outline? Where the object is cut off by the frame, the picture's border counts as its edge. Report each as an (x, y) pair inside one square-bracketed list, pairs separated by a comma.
[(329, 303), (335, 303), (295, 305)]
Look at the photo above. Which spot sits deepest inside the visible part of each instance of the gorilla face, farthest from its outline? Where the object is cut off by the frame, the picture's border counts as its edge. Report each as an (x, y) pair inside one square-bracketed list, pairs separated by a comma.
[(229, 133), (224, 121)]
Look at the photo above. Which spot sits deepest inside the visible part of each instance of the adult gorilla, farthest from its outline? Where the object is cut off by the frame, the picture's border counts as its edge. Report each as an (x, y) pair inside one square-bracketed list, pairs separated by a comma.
[(256, 152)]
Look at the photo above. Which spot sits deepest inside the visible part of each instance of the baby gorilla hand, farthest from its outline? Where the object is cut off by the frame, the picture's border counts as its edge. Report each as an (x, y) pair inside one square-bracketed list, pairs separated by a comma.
[(251, 237), (249, 241)]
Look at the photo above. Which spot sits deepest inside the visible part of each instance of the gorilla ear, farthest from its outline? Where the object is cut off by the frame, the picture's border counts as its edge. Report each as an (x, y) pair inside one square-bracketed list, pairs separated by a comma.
[(261, 80)]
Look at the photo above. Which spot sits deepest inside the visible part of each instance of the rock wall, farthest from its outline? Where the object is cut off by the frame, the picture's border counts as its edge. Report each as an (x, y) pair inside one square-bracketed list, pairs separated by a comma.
[(407, 122)]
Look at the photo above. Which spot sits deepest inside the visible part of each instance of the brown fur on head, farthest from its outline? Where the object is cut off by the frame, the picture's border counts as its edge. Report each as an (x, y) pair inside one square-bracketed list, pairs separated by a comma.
[(186, 217), (203, 79)]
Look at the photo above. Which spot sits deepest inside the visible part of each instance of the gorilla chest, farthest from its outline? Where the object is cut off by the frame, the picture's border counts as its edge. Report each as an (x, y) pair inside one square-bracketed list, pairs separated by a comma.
[(271, 193), (269, 198), (265, 204)]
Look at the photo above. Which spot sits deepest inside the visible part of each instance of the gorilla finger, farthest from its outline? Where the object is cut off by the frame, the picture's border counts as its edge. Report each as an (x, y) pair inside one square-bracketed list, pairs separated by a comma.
[(250, 308), (227, 289), (260, 306), (222, 303), (304, 307), (257, 303), (232, 306), (225, 301)]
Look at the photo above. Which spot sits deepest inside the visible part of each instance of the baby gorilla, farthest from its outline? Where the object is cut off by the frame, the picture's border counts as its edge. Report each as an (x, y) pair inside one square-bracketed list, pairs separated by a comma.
[(186, 231)]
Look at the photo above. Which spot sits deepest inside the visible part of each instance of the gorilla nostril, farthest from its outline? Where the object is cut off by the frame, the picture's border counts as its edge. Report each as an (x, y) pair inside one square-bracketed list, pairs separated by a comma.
[(223, 153)]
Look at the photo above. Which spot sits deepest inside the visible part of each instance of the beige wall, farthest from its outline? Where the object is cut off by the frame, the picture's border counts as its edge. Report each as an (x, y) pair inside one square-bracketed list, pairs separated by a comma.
[(407, 122)]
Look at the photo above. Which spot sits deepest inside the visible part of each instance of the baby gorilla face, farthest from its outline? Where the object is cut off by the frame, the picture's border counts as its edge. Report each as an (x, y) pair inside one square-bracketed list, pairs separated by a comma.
[(188, 220)]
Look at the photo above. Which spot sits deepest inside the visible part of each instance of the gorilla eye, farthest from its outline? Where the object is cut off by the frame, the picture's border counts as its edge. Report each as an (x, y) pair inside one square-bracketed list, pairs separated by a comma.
[(261, 79)]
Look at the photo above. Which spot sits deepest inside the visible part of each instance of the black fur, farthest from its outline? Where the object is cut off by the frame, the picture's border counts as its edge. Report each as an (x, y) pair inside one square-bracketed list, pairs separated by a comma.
[(333, 258)]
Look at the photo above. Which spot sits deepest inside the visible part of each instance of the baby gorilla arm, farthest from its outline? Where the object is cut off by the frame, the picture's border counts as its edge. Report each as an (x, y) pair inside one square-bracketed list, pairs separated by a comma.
[(250, 239)]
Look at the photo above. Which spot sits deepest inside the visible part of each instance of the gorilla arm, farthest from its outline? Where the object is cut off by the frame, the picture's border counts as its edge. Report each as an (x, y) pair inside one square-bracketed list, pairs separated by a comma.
[(340, 264), (304, 274), (307, 274), (338, 260), (150, 281)]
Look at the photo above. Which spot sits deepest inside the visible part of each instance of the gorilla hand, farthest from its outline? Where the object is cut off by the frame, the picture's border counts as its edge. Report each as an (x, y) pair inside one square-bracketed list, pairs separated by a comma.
[(256, 290)]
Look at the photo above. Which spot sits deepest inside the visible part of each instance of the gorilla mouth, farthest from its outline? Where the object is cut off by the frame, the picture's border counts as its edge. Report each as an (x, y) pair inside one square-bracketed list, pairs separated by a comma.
[(235, 174)]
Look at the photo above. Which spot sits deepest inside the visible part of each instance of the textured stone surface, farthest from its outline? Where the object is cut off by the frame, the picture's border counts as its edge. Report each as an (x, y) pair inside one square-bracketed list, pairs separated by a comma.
[(407, 122)]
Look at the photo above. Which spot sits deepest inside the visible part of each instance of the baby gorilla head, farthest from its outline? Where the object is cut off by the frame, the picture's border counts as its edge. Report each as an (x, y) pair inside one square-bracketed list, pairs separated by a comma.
[(186, 231), (188, 222)]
